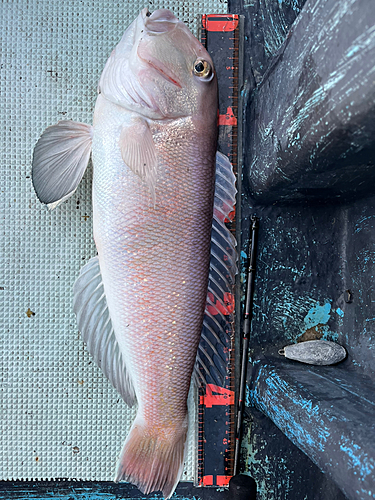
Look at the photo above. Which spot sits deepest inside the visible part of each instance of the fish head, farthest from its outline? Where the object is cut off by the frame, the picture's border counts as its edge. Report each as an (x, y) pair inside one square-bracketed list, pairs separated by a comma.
[(160, 70)]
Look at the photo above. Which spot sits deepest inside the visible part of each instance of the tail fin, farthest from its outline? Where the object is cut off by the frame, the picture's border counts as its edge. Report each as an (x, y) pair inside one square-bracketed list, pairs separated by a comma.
[(152, 461)]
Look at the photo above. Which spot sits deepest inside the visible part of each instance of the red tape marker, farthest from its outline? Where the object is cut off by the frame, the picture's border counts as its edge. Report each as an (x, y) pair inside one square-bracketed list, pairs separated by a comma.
[(222, 396), (217, 22), (228, 118), (208, 480), (223, 480)]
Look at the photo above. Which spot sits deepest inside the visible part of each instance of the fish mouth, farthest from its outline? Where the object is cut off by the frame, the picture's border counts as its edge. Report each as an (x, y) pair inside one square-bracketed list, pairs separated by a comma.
[(159, 21)]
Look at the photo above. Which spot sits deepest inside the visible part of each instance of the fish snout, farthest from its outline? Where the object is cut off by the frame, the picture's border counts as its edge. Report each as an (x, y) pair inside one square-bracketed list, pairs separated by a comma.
[(159, 21)]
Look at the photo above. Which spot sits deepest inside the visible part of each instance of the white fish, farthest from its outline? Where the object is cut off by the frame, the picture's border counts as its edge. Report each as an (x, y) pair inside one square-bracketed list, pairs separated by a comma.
[(140, 303)]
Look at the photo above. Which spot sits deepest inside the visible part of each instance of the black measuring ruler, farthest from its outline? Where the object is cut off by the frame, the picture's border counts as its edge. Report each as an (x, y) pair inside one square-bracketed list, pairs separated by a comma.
[(221, 35)]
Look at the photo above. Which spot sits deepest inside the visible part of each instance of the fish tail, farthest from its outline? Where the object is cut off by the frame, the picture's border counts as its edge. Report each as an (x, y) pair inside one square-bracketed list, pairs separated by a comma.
[(151, 460)]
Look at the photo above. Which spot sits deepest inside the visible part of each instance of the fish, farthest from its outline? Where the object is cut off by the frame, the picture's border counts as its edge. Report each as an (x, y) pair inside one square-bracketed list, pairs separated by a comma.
[(161, 193)]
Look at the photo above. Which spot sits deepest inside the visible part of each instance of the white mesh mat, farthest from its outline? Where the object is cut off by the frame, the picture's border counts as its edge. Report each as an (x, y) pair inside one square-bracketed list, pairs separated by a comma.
[(60, 418)]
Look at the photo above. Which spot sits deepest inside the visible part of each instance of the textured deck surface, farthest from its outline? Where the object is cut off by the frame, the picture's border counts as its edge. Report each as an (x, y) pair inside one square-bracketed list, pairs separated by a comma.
[(60, 418)]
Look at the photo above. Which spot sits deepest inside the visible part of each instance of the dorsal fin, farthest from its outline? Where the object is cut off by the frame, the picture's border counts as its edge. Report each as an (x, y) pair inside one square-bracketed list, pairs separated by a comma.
[(213, 351), (94, 323)]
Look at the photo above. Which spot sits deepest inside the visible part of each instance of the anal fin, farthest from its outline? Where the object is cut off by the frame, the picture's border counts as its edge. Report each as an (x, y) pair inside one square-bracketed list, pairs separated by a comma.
[(94, 323)]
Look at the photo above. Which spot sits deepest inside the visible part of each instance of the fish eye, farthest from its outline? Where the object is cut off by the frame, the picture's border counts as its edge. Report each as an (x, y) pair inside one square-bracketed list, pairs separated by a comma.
[(203, 69), (199, 67)]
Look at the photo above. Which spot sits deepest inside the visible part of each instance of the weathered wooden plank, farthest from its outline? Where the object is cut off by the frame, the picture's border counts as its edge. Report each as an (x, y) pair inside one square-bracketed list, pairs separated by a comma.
[(99, 490), (267, 23), (311, 255), (308, 258), (240, 487), (310, 131), (328, 412)]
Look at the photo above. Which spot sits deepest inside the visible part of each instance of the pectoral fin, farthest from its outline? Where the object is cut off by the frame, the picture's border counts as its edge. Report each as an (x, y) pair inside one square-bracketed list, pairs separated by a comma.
[(60, 159), (139, 152)]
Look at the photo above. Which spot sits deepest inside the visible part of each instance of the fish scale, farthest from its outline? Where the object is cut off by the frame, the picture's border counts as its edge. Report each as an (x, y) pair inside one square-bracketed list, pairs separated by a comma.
[(175, 268)]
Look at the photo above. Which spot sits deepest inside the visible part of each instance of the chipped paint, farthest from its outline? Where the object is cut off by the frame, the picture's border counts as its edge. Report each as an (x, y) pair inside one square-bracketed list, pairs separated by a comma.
[(315, 323), (315, 438), (79, 491), (313, 415), (318, 86), (247, 396), (319, 314), (358, 459), (272, 475), (340, 312), (309, 121)]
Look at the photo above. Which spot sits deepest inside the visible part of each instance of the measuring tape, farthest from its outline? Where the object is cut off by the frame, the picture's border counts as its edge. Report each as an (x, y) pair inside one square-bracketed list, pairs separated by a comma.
[(221, 36)]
